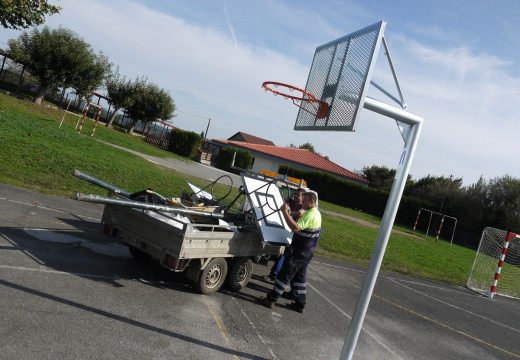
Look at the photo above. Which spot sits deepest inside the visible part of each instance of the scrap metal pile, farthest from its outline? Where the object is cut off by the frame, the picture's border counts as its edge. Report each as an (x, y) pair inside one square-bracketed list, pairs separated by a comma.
[(196, 206)]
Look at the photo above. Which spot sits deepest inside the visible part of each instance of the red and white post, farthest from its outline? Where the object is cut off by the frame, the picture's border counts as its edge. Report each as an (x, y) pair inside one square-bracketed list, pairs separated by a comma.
[(84, 115), (416, 221), (493, 290)]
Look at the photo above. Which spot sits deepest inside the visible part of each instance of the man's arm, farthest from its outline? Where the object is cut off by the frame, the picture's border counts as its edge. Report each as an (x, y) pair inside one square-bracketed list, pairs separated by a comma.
[(296, 214), (288, 218)]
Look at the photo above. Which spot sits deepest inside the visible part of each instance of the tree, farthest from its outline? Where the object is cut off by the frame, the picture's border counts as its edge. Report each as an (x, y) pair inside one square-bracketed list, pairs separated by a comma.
[(503, 195), (308, 146), (435, 188), (149, 104), (21, 14), (59, 58), (470, 207), (379, 177), (121, 92), (89, 75)]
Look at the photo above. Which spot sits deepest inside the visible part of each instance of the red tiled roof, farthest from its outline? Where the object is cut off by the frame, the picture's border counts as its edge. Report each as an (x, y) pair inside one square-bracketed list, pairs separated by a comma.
[(250, 139), (167, 124), (301, 156)]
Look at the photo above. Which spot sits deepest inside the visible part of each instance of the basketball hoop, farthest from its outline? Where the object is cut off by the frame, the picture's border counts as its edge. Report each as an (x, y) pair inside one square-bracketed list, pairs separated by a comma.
[(321, 107)]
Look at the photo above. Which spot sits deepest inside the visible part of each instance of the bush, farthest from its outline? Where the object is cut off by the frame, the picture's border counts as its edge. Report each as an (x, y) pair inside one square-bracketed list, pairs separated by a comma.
[(184, 143), (225, 156)]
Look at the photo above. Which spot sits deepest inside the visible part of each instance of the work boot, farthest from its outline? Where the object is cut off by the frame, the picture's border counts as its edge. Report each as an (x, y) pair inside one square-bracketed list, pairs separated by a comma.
[(289, 295), (266, 302), (297, 307)]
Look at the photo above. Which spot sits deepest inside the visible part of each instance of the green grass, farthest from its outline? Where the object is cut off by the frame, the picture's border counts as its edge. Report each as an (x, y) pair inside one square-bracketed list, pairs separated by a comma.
[(414, 255), (39, 155), (349, 212)]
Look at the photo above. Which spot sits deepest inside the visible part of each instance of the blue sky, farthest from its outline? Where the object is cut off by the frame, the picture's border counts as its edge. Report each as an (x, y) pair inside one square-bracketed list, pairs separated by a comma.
[(457, 64)]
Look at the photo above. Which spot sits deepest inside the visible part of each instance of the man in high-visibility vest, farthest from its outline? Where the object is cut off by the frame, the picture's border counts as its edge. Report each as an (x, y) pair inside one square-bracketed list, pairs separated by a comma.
[(296, 210), (307, 232)]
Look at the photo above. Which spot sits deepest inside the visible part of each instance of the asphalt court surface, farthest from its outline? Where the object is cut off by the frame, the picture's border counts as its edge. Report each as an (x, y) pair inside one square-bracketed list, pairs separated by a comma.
[(69, 292)]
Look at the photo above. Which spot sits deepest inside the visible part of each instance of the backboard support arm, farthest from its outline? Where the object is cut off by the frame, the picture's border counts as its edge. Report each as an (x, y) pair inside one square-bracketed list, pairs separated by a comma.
[(387, 221), (389, 58)]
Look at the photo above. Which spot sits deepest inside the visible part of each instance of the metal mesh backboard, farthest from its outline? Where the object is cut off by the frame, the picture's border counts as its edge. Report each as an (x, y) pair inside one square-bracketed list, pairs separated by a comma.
[(340, 75)]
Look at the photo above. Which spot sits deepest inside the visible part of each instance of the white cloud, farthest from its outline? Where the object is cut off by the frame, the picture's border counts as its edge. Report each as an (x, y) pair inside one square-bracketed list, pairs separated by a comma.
[(467, 98)]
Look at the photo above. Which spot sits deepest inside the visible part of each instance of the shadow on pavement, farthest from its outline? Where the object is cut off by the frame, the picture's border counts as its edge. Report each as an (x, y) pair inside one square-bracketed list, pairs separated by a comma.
[(126, 320)]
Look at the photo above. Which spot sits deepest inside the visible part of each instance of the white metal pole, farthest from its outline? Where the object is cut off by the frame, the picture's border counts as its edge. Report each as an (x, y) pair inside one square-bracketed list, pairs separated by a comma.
[(65, 112), (388, 217)]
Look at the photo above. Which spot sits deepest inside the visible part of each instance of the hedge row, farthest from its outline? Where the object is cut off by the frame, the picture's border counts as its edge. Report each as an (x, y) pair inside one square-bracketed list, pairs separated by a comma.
[(225, 156), (354, 196), (184, 143)]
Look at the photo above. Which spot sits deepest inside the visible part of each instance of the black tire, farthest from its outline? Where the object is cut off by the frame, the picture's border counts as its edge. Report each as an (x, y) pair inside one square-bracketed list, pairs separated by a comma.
[(212, 277), (239, 274), (138, 253)]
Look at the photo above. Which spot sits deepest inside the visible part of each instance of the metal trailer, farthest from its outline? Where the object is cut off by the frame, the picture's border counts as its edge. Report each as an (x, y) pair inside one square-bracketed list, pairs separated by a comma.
[(211, 255), (213, 249)]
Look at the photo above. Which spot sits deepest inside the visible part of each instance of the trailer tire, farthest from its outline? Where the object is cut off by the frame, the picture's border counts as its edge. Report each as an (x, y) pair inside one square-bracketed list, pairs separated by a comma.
[(239, 274), (138, 253), (212, 277)]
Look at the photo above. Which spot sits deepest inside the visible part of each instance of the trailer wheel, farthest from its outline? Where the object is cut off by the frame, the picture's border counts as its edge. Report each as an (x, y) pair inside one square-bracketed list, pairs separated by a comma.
[(213, 276), (239, 274), (138, 253)]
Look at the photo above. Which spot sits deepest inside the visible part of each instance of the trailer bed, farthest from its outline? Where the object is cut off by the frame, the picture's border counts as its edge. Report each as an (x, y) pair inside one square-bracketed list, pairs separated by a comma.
[(152, 235)]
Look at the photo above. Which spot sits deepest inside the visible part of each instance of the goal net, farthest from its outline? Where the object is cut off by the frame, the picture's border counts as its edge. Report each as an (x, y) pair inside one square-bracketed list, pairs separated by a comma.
[(496, 268)]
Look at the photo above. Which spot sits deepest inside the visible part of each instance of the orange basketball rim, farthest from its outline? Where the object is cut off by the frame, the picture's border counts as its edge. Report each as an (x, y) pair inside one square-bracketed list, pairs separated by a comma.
[(321, 107)]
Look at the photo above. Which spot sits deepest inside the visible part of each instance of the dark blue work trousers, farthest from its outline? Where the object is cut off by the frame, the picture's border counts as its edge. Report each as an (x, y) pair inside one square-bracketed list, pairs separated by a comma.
[(292, 274)]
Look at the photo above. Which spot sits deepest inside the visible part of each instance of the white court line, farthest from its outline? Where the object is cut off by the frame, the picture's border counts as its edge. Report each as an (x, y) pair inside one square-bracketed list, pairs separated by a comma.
[(437, 287), (391, 278), (273, 355), (49, 271), (371, 334), (455, 307), (43, 269), (48, 208), (339, 267), (399, 282)]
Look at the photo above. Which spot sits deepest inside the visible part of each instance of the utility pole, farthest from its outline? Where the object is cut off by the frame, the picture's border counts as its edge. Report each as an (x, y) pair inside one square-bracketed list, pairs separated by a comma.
[(200, 117), (445, 193), (207, 128)]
